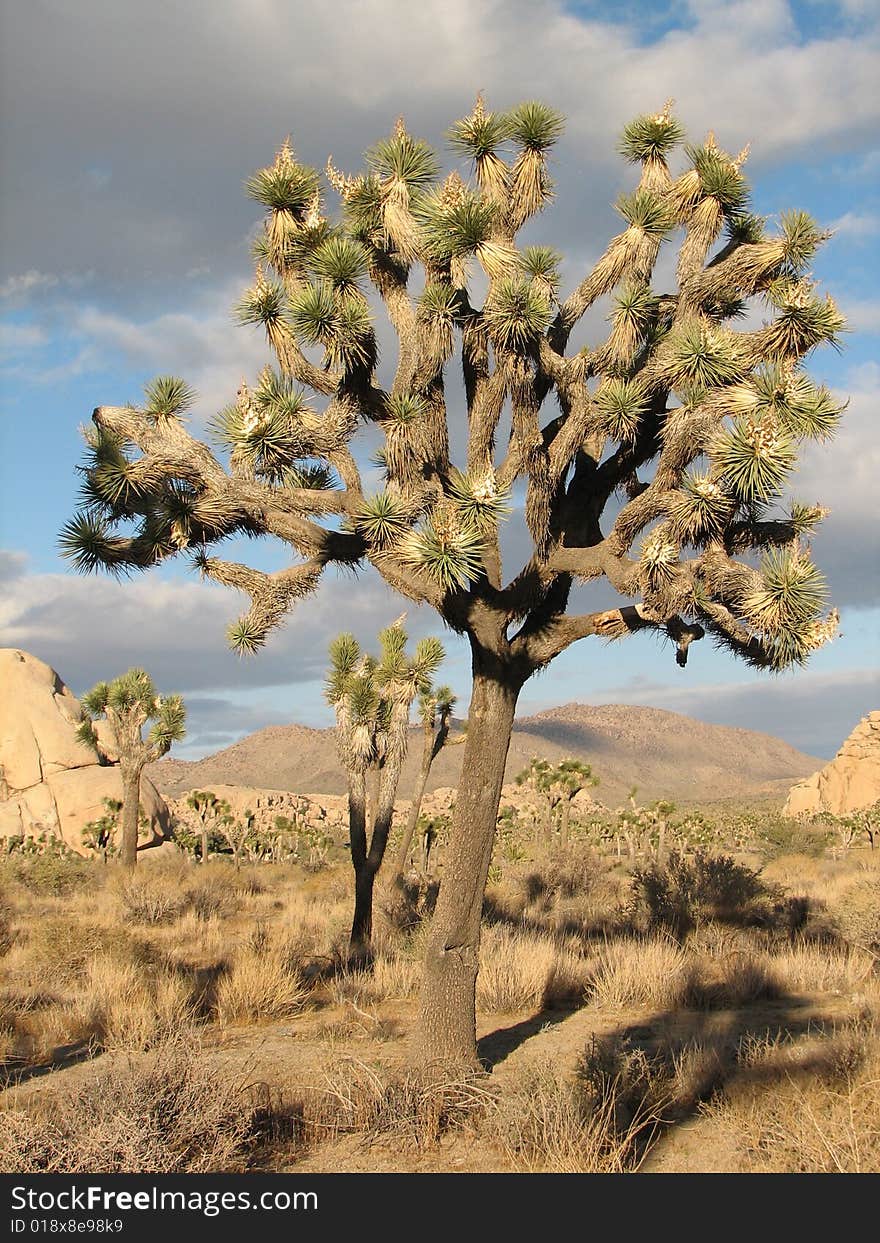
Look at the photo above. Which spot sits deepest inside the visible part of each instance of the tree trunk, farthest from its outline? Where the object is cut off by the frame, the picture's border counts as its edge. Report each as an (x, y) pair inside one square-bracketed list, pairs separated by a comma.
[(131, 797), (360, 945), (414, 812), (566, 822), (361, 927), (447, 1027), (204, 844)]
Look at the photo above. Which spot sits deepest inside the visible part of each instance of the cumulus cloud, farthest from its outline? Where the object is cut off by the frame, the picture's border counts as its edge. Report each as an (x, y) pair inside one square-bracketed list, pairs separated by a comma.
[(92, 628), (843, 476), (174, 130)]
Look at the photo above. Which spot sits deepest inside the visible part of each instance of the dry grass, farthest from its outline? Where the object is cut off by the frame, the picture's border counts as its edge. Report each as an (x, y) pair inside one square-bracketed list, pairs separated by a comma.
[(169, 1114), (522, 970), (97, 961), (813, 1121), (408, 1108), (650, 972)]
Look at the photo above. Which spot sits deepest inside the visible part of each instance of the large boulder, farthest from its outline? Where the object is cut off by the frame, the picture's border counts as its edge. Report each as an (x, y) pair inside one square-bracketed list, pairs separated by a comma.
[(50, 782), (851, 782)]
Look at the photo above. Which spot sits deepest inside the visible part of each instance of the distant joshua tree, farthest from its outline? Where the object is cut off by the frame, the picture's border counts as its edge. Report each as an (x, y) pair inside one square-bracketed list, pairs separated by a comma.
[(557, 785), (372, 700), (656, 458), (128, 703), (211, 813)]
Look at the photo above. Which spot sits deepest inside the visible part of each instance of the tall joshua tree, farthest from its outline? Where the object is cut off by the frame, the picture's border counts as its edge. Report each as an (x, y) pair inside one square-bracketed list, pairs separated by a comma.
[(435, 712), (130, 702), (660, 467), (372, 700)]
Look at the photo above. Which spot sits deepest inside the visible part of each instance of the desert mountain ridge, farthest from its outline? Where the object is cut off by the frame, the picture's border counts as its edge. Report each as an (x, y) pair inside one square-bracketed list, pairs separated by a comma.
[(664, 754)]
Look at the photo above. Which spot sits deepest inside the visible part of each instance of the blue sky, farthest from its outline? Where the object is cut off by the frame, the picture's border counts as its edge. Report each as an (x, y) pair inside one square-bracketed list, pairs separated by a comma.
[(127, 133)]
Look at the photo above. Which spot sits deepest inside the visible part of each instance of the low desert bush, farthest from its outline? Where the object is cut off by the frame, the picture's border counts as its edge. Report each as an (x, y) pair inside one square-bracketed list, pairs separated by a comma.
[(678, 895), (54, 875), (169, 1114)]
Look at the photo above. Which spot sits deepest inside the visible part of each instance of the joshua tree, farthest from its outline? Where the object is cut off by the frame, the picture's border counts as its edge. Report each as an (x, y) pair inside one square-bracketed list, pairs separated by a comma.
[(557, 785), (435, 711), (129, 702), (372, 699), (660, 467), (210, 811)]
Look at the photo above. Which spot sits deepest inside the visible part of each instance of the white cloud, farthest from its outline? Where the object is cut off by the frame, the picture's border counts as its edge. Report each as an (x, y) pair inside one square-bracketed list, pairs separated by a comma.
[(862, 314), (25, 283), (856, 224), (92, 628)]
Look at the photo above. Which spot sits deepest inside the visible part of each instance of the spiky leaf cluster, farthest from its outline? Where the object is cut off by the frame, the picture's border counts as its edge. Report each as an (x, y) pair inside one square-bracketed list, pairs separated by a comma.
[(753, 458), (650, 137)]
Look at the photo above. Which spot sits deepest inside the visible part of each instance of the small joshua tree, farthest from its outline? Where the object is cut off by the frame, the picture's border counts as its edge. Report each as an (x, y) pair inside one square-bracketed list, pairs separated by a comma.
[(209, 810), (128, 703), (655, 457), (372, 700), (435, 712)]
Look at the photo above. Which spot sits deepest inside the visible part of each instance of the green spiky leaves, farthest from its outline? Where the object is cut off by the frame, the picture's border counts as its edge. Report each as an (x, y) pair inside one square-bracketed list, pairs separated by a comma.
[(804, 320), (383, 520), (170, 724), (341, 262), (700, 510), (802, 237), (786, 606), (517, 314), (650, 137), (264, 303), (753, 458), (338, 321), (246, 636), (265, 428), (478, 501), (446, 549), (403, 158), (647, 212), (700, 355), (129, 702), (168, 397), (534, 126), (86, 541), (540, 265), (480, 134), (621, 405), (284, 186)]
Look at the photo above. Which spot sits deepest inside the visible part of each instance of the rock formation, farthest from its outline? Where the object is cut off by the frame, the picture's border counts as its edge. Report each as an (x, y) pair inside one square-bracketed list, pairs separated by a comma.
[(850, 782), (50, 782)]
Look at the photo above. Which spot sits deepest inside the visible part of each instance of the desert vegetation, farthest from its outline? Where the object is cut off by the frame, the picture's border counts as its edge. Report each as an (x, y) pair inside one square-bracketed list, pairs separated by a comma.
[(708, 1004)]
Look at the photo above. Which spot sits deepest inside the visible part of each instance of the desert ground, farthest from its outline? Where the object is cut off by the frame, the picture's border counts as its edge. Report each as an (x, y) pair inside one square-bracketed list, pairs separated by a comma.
[(708, 1004)]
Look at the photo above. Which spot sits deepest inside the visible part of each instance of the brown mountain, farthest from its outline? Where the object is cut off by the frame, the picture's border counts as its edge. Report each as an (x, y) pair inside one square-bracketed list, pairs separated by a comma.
[(663, 754)]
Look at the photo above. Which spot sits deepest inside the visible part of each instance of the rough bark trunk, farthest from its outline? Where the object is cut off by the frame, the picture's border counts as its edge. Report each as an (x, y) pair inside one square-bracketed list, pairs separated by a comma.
[(204, 844), (131, 795), (360, 946), (447, 1025)]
